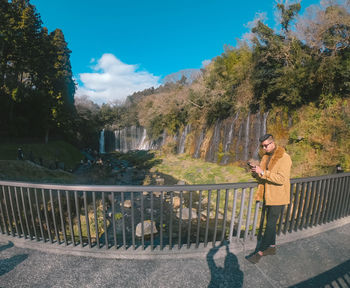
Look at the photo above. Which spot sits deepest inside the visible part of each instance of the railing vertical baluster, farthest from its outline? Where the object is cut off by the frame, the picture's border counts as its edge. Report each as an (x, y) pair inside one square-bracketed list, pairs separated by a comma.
[(321, 191), (96, 220), (105, 220), (123, 219), (86, 208), (142, 225), (32, 214), (251, 192), (25, 214), (326, 201), (7, 212), (19, 213), (257, 206), (189, 221), (207, 220), (10, 227), (336, 198), (39, 215), (280, 221), (342, 198), (133, 221), (225, 216), (62, 217), (13, 212), (46, 216), (287, 220), (216, 215), (348, 192), (77, 210), (232, 224), (305, 205), (199, 218), (316, 192), (171, 220), (310, 205), (295, 207), (330, 200), (152, 223), (70, 217), (3, 215), (180, 221), (113, 222), (300, 206), (241, 211), (54, 218), (161, 221), (347, 198)]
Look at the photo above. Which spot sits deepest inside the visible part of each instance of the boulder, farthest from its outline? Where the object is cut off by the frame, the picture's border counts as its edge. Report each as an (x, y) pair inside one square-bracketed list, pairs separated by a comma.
[(146, 228), (186, 214), (127, 204)]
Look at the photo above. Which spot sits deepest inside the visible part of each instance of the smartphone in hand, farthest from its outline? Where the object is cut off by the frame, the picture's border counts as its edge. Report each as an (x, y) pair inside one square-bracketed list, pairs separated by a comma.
[(250, 165)]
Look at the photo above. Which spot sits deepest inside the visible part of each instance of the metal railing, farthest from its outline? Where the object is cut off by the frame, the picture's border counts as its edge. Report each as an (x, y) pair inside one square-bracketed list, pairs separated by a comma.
[(161, 217)]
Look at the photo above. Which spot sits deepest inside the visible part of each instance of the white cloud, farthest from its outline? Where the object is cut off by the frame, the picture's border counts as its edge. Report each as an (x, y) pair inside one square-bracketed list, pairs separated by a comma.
[(114, 80), (205, 63)]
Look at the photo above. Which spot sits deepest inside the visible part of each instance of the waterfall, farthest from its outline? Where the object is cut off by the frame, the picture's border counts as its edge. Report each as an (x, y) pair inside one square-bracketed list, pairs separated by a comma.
[(199, 144), (131, 138), (246, 138), (102, 141), (228, 141), (181, 147), (144, 144), (212, 154), (264, 123)]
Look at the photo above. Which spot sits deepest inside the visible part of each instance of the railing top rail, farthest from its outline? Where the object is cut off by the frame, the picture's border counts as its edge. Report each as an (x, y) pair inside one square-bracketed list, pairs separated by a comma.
[(153, 188), (317, 178), (130, 188)]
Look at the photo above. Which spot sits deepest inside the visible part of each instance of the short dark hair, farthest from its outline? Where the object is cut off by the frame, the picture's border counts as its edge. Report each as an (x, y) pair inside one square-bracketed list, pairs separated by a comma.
[(265, 137)]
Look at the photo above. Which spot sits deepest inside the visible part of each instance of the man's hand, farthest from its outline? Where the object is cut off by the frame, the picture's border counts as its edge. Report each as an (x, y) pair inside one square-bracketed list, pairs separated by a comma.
[(257, 170)]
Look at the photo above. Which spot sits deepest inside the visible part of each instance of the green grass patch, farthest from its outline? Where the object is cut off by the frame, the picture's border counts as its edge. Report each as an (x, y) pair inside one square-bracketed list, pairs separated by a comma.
[(49, 153), (197, 171)]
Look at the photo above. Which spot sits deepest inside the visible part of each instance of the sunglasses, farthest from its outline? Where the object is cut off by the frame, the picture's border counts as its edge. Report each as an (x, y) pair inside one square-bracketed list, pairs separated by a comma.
[(266, 145)]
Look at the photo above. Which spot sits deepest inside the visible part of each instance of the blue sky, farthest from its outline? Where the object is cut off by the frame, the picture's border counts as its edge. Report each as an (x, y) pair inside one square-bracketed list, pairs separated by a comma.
[(119, 47)]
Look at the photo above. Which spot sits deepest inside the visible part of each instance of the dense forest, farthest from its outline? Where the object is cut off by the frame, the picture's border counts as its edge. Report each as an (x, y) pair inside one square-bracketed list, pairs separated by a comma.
[(36, 83), (299, 73)]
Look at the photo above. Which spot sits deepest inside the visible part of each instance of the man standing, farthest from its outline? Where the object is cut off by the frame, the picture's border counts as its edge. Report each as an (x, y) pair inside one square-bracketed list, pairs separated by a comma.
[(273, 176)]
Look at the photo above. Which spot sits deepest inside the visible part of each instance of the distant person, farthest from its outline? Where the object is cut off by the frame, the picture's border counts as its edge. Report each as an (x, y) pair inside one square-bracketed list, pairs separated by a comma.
[(20, 155), (339, 169), (273, 175)]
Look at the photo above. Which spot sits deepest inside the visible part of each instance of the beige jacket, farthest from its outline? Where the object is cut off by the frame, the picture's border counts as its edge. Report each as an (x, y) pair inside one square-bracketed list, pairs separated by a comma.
[(276, 180)]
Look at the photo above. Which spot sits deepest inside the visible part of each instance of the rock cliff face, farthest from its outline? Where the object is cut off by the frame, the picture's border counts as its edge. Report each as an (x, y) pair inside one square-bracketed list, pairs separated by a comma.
[(229, 140)]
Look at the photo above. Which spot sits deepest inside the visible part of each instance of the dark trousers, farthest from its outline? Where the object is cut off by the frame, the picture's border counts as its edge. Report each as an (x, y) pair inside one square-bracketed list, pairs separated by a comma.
[(272, 215)]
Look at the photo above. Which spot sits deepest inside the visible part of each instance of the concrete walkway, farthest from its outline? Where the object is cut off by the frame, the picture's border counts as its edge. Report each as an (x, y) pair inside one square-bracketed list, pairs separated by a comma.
[(318, 257)]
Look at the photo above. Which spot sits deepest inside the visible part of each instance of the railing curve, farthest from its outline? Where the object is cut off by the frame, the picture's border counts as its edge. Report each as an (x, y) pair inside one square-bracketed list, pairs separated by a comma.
[(161, 217)]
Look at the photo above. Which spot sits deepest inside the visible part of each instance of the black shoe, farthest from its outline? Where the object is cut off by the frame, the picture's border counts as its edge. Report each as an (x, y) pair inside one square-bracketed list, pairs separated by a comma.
[(254, 258)]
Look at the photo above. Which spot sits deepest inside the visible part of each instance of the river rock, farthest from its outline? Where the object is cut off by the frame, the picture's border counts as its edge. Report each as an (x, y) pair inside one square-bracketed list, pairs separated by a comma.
[(186, 214), (176, 202), (159, 181), (211, 215), (146, 228), (127, 204), (157, 194)]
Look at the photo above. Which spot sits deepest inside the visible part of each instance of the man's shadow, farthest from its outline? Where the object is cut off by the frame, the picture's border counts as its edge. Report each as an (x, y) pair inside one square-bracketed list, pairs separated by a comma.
[(8, 264), (228, 276)]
